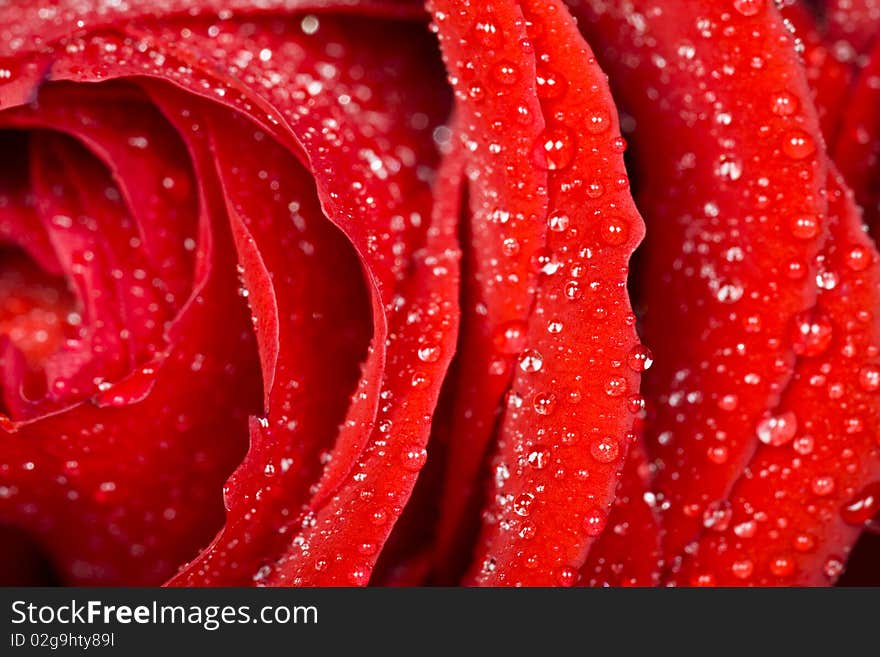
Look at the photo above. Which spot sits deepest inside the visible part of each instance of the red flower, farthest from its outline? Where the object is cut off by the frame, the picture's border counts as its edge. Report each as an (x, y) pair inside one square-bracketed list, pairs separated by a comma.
[(292, 295)]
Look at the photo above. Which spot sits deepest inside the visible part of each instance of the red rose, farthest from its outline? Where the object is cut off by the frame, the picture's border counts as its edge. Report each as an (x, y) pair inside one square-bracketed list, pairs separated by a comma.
[(293, 295)]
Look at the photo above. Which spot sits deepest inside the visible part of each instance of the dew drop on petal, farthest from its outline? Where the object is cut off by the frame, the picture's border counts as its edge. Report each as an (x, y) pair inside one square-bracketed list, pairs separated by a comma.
[(798, 145), (429, 353), (558, 222), (414, 457), (522, 505), (511, 338), (823, 485), (784, 103), (869, 378), (555, 148), (811, 334), (359, 575), (531, 361), (777, 430), (594, 521), (748, 7), (640, 358), (615, 386), (863, 507), (614, 231)]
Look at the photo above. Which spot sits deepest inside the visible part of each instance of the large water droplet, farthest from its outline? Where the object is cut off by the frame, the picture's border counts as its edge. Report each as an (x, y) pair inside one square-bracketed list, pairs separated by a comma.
[(605, 449), (784, 103), (748, 7), (864, 507), (798, 145), (558, 222), (522, 505), (486, 32), (555, 148), (429, 353), (594, 521), (531, 361), (511, 338), (640, 358), (550, 84), (777, 430), (812, 333), (869, 378), (544, 403), (614, 231)]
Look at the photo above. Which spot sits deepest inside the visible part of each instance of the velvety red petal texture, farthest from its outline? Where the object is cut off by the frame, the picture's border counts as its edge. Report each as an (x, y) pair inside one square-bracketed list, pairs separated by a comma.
[(339, 292)]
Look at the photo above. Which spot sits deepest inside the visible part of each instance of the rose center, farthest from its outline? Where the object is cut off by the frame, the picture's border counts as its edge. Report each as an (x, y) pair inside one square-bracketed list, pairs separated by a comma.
[(38, 312)]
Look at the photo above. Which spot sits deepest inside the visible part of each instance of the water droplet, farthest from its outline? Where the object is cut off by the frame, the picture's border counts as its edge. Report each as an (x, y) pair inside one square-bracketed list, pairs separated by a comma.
[(476, 92), (777, 430), (784, 103), (527, 531), (522, 505), (542, 262), (555, 148), (511, 338), (486, 32), (558, 222), (858, 258), (812, 333), (505, 72), (605, 449), (614, 231), (746, 529), (566, 577), (595, 189), (550, 84), (615, 386), (833, 567), (539, 457), (822, 485), (782, 565), (748, 7), (717, 454), (594, 521), (863, 507), (367, 548), (728, 402), (804, 227), (729, 167), (717, 516), (429, 353), (869, 378), (531, 361), (598, 122), (640, 358), (798, 145), (130, 390), (635, 404), (803, 445), (742, 569), (414, 457), (728, 292), (359, 575), (544, 403), (803, 543)]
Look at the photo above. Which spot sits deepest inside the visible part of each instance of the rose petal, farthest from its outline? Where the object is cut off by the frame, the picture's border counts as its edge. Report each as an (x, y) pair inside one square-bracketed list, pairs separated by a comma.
[(629, 552), (786, 521), (730, 171)]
